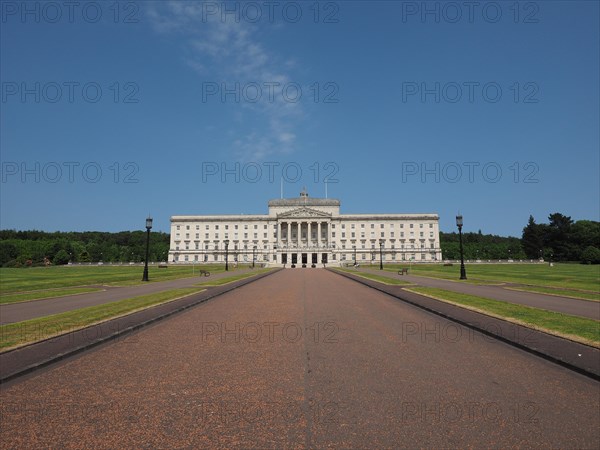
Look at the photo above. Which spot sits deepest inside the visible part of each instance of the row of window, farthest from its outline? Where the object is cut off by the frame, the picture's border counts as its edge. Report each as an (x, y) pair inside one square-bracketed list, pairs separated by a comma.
[(265, 258), (294, 236), (392, 246), (265, 226)]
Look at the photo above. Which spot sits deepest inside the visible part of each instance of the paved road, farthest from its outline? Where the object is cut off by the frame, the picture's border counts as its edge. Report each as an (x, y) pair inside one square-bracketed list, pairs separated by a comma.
[(304, 359), (575, 307), (17, 312)]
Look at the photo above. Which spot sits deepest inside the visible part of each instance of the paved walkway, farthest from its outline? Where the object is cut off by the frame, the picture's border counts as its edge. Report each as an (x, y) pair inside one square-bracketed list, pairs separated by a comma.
[(572, 306), (17, 312), (303, 359)]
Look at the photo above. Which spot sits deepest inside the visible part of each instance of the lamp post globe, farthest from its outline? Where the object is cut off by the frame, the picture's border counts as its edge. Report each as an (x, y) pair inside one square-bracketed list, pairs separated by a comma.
[(148, 228), (226, 241), (459, 224)]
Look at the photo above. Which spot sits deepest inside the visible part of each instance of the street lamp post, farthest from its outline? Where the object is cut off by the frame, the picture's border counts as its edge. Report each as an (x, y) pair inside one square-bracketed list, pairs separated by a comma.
[(253, 256), (381, 254), (226, 242), (459, 224), (354, 247), (148, 228)]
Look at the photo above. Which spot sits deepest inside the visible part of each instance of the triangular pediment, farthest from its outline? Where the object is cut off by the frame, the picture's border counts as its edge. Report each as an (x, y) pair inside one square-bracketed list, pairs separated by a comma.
[(303, 212)]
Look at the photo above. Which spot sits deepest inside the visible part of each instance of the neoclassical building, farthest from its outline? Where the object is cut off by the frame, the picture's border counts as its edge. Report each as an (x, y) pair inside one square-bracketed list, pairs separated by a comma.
[(305, 230)]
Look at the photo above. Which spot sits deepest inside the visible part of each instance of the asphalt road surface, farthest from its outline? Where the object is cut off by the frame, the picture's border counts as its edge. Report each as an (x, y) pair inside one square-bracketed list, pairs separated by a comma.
[(303, 359)]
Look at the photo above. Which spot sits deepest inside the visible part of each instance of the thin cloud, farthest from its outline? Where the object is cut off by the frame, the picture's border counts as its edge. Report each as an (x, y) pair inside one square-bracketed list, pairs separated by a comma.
[(231, 52)]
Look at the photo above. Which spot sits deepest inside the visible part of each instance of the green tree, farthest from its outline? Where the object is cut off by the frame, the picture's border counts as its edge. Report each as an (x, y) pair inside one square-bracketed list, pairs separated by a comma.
[(532, 239), (8, 252), (61, 257), (590, 255)]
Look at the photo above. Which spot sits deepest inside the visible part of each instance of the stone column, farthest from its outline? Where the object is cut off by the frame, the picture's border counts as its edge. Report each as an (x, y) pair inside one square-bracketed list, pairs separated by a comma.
[(308, 234), (298, 233), (279, 239), (319, 234)]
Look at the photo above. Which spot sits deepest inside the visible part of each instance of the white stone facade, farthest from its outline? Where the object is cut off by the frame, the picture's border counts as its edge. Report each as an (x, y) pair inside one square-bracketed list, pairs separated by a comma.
[(305, 230)]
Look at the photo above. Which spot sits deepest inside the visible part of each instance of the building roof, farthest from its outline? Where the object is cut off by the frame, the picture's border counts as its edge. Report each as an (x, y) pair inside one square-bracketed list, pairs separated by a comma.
[(304, 200)]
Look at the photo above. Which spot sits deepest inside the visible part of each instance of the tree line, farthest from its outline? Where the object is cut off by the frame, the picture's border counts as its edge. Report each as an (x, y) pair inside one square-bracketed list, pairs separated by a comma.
[(561, 239), (25, 248)]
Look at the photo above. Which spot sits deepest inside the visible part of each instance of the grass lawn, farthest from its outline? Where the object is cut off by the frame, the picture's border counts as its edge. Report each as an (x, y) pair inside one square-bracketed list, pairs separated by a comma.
[(22, 333), (566, 276), (581, 295), (225, 280), (41, 278), (575, 328), (46, 293), (374, 277)]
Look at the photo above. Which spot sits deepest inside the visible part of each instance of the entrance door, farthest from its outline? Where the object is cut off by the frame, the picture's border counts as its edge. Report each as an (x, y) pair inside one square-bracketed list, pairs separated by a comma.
[(304, 258), (284, 258), (324, 258), (294, 258), (314, 258)]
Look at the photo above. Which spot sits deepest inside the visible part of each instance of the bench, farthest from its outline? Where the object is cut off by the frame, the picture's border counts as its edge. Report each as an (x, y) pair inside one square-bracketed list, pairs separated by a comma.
[(163, 266), (206, 273), (403, 271)]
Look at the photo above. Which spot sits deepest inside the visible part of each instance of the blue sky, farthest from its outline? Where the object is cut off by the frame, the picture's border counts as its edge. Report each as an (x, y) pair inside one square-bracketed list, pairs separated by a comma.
[(119, 110)]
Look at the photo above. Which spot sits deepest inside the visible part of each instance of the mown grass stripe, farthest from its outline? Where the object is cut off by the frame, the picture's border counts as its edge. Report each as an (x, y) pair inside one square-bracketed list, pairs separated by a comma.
[(578, 329), (21, 333)]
